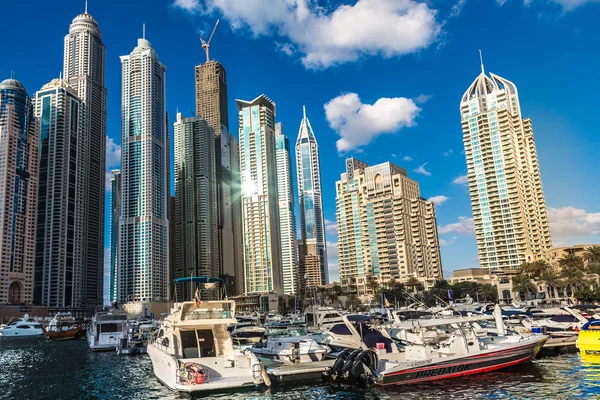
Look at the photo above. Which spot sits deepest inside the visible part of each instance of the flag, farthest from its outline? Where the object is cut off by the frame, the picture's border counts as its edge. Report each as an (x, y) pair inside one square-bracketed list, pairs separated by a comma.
[(450, 295), (384, 300)]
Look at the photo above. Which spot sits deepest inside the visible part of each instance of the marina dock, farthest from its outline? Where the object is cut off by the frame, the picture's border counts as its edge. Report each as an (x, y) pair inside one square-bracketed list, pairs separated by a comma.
[(297, 372)]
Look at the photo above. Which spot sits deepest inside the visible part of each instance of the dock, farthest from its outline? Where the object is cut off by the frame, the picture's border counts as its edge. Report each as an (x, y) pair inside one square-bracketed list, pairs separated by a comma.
[(297, 372), (559, 343)]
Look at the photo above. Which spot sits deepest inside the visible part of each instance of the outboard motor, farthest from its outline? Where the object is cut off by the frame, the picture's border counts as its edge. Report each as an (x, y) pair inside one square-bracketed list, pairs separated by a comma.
[(349, 363), (338, 364), (364, 367)]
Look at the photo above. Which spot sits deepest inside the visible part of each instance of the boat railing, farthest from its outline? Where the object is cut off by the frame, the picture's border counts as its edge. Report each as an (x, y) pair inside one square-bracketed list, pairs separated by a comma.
[(206, 314)]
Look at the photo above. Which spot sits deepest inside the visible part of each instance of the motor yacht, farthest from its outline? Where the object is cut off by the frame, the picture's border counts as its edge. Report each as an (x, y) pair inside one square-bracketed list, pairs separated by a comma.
[(290, 346), (104, 331), (22, 327), (322, 317), (193, 350)]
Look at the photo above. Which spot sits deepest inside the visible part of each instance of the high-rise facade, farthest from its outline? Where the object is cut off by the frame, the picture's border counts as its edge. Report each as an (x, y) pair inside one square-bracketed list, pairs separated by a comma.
[(287, 219), (509, 210), (60, 269), (19, 158), (310, 199), (84, 68), (115, 214), (144, 225), (385, 229), (260, 204), (196, 215), (211, 105)]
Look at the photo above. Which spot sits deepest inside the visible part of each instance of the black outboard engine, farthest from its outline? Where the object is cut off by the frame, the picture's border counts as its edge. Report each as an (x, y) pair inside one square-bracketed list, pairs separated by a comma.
[(338, 364), (345, 371), (365, 366)]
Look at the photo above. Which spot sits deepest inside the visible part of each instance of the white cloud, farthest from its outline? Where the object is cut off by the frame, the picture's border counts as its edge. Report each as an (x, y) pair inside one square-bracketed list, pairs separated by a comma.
[(446, 243), (331, 227), (421, 170), (461, 180), (358, 124), (569, 5), (113, 153), (332, 252), (334, 272), (393, 155), (438, 200), (422, 98), (407, 158), (107, 177), (457, 8), (448, 153), (323, 37), (464, 226), (568, 224)]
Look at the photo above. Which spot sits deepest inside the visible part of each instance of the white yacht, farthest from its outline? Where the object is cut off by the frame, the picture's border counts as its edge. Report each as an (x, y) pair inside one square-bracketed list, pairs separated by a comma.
[(322, 317), (22, 327), (289, 346), (193, 350), (104, 331)]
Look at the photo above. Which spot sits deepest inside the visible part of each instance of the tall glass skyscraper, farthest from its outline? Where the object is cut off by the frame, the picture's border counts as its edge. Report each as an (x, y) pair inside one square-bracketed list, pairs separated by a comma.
[(19, 157), (287, 219), (312, 223), (260, 204), (509, 209), (144, 225), (84, 68), (115, 214), (60, 268)]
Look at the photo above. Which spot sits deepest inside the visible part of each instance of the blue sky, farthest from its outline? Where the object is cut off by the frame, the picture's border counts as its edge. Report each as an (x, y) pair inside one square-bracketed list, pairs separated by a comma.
[(381, 80)]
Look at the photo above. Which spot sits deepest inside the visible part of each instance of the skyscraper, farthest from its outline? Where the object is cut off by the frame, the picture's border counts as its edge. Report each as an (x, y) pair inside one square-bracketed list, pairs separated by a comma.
[(60, 262), (312, 223), (287, 219), (84, 68), (19, 157), (196, 217), (385, 229), (144, 227), (211, 104), (260, 204), (115, 214), (509, 210)]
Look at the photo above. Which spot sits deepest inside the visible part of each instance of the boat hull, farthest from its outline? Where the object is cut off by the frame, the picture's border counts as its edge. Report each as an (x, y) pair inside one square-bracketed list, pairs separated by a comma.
[(454, 367), (589, 341), (63, 335)]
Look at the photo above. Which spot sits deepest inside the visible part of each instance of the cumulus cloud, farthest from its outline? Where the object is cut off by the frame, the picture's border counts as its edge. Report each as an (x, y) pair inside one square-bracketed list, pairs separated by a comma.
[(446, 243), (113, 153), (331, 227), (334, 272), (421, 170), (332, 252), (407, 158), (358, 124), (422, 98), (326, 37), (438, 200), (464, 226), (461, 180), (568, 224)]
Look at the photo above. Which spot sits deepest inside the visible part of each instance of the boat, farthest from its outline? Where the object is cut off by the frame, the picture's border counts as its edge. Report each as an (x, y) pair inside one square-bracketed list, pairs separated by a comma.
[(435, 349), (247, 335), (135, 335), (289, 346), (22, 327), (322, 317), (588, 340), (63, 327), (104, 331), (193, 350)]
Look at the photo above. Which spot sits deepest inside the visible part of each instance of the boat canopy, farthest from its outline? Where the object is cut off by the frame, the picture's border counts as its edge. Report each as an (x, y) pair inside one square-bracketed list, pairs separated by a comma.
[(423, 323), (201, 279)]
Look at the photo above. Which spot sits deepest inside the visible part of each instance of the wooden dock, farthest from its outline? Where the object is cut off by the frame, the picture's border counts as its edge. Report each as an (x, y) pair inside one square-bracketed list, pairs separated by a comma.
[(297, 372), (560, 343)]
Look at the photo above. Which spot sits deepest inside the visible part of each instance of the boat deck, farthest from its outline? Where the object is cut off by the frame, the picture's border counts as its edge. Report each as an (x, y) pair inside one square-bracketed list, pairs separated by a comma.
[(297, 372)]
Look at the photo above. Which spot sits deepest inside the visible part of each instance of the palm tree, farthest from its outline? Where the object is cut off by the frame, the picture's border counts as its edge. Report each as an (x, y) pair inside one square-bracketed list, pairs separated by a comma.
[(573, 278), (440, 289), (551, 279), (373, 285), (332, 297), (571, 260), (489, 292), (523, 284), (533, 269), (353, 302), (413, 283), (592, 254)]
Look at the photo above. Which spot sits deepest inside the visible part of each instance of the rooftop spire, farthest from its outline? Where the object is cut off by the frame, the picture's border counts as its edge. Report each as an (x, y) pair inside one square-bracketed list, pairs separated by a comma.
[(304, 111), (481, 60), (143, 31), (86, 7)]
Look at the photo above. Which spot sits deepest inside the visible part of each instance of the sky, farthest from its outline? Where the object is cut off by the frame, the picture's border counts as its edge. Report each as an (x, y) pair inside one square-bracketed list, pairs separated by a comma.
[(381, 80)]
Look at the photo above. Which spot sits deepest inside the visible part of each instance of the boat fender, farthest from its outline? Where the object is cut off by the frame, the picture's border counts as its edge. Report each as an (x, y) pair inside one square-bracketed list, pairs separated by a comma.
[(349, 363), (265, 376)]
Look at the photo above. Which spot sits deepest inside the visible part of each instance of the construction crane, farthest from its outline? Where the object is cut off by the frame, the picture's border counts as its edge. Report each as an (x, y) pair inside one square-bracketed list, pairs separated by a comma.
[(206, 45)]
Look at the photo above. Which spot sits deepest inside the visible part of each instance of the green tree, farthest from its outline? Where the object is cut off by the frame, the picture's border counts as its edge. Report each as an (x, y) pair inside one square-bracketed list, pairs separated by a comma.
[(332, 297), (489, 292), (592, 254), (573, 278), (571, 260), (413, 283), (522, 284), (337, 289), (353, 302), (551, 279)]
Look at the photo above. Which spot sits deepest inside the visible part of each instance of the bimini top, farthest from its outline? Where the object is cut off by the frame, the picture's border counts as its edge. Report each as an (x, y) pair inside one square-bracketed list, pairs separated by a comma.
[(201, 279)]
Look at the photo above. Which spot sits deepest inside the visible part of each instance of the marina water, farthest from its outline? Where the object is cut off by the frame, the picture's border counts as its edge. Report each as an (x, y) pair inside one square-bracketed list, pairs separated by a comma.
[(36, 368)]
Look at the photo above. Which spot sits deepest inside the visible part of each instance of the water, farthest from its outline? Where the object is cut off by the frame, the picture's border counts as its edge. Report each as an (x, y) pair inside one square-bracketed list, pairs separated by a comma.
[(35, 368)]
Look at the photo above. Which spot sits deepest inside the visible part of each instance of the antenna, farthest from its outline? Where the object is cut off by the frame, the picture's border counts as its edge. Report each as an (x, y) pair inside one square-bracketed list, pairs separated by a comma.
[(481, 60), (86, 7), (12, 74), (304, 110), (144, 31), (206, 45)]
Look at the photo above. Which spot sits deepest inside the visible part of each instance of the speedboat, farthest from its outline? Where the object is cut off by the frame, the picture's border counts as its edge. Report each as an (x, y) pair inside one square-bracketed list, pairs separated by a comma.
[(439, 349), (588, 340), (105, 329), (289, 346), (63, 327), (22, 327), (247, 335), (193, 350)]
